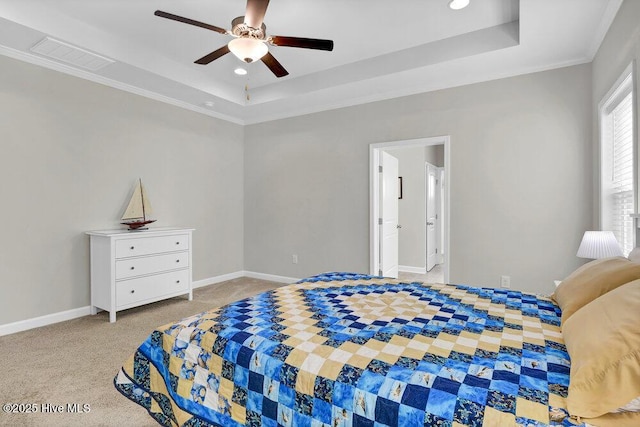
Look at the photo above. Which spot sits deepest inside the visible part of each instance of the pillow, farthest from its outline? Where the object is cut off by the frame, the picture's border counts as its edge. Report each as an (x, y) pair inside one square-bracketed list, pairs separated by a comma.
[(634, 256), (591, 280), (603, 341), (633, 406)]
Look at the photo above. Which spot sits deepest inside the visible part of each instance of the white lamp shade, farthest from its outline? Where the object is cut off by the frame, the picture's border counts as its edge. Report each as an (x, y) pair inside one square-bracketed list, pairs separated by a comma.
[(247, 49), (599, 244)]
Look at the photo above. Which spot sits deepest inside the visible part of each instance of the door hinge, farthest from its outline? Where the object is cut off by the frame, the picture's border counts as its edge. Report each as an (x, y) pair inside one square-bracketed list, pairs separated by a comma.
[(380, 168), (436, 216), (436, 250), (379, 221), (379, 272)]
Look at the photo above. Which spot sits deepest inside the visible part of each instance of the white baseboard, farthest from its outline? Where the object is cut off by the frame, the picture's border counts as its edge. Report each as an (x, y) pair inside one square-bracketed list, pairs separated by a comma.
[(49, 319), (243, 273), (36, 322), (417, 270), (270, 277), (217, 279)]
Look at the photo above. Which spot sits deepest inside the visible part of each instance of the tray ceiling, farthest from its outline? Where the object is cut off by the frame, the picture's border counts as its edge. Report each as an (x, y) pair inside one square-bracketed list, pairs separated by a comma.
[(383, 49)]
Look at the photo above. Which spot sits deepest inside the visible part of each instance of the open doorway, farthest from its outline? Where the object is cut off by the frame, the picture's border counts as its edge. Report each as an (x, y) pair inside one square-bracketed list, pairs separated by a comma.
[(414, 217)]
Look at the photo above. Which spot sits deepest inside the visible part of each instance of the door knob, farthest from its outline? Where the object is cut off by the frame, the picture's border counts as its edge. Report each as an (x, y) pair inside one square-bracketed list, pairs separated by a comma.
[(398, 226)]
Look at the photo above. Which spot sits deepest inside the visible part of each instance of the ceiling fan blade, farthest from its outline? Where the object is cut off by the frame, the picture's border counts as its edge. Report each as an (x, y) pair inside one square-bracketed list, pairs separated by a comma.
[(254, 14), (189, 21), (213, 55), (319, 44), (273, 64)]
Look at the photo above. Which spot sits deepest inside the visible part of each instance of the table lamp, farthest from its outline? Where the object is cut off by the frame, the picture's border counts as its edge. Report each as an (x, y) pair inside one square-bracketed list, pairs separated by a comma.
[(599, 244)]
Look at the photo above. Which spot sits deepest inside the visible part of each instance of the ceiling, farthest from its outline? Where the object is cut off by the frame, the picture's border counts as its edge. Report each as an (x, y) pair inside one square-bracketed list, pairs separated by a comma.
[(383, 48)]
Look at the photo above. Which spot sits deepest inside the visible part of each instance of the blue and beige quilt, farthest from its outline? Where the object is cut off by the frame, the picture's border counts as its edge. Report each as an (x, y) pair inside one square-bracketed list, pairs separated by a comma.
[(344, 349)]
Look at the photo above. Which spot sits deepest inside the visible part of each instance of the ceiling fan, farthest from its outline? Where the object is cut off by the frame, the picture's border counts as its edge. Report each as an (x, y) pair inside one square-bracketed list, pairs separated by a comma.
[(251, 39)]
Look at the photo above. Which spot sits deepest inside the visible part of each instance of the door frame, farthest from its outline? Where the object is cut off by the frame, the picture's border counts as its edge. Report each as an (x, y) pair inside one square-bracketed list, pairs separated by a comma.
[(441, 195), (374, 195), (437, 201)]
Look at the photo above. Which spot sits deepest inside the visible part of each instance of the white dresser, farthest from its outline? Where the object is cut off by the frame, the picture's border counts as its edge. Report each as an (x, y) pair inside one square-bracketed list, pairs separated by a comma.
[(132, 268)]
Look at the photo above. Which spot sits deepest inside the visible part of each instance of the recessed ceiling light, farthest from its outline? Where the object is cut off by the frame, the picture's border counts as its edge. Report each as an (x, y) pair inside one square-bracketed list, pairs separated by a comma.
[(240, 71), (209, 103), (458, 4)]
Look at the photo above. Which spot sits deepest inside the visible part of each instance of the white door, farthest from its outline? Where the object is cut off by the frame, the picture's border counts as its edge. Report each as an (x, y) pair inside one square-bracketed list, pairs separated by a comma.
[(432, 179), (388, 215)]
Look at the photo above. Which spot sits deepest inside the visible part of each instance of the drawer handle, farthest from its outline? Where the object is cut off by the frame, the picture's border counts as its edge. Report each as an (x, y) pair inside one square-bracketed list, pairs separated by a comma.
[(132, 247), (177, 281), (177, 243), (133, 291), (177, 260), (133, 268)]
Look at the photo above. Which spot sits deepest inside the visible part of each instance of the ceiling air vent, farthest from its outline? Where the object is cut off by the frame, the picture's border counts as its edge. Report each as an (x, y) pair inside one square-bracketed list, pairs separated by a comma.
[(70, 54)]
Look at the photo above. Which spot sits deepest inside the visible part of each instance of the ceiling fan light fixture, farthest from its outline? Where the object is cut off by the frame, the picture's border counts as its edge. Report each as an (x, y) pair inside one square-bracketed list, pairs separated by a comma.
[(458, 4), (240, 71), (247, 49)]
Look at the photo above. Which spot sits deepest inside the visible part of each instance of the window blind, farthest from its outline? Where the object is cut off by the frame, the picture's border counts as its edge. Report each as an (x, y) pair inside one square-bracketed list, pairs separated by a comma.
[(622, 172)]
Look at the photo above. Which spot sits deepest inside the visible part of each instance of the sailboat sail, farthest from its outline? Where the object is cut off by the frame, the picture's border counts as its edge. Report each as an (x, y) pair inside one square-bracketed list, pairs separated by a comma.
[(139, 206)]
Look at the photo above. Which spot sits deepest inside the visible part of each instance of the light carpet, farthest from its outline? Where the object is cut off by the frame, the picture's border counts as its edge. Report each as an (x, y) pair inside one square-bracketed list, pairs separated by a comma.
[(74, 362)]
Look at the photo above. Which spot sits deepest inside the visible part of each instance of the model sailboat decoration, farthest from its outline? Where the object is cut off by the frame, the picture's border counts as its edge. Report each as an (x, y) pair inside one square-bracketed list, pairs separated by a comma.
[(138, 212)]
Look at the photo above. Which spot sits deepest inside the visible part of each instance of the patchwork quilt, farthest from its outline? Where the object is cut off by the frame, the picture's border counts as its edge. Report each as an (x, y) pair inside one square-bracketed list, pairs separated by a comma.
[(343, 349)]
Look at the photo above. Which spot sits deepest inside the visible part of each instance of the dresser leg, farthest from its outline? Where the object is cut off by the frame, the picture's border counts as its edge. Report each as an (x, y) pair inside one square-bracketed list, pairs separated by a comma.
[(112, 316), (93, 310)]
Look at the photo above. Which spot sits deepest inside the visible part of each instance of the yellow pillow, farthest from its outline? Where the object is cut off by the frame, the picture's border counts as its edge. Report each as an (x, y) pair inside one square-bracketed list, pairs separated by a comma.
[(603, 341), (592, 280)]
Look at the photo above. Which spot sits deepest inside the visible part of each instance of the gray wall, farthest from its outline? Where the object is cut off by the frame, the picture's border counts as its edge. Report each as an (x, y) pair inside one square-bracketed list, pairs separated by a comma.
[(524, 153), (620, 47), (521, 179), (71, 152)]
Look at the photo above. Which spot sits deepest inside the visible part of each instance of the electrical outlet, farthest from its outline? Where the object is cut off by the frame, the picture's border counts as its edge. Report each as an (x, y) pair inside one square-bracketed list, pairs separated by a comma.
[(294, 259), (505, 281)]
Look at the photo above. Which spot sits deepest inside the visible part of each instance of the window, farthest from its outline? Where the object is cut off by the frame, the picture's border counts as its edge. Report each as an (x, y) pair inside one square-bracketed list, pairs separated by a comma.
[(618, 171)]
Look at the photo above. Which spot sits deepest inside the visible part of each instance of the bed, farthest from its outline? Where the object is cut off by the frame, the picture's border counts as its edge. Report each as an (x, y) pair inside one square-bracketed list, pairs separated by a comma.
[(345, 349)]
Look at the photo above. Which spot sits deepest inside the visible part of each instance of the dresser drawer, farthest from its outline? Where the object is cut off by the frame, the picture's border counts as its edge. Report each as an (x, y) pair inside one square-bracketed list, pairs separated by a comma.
[(134, 291), (133, 267), (151, 245)]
